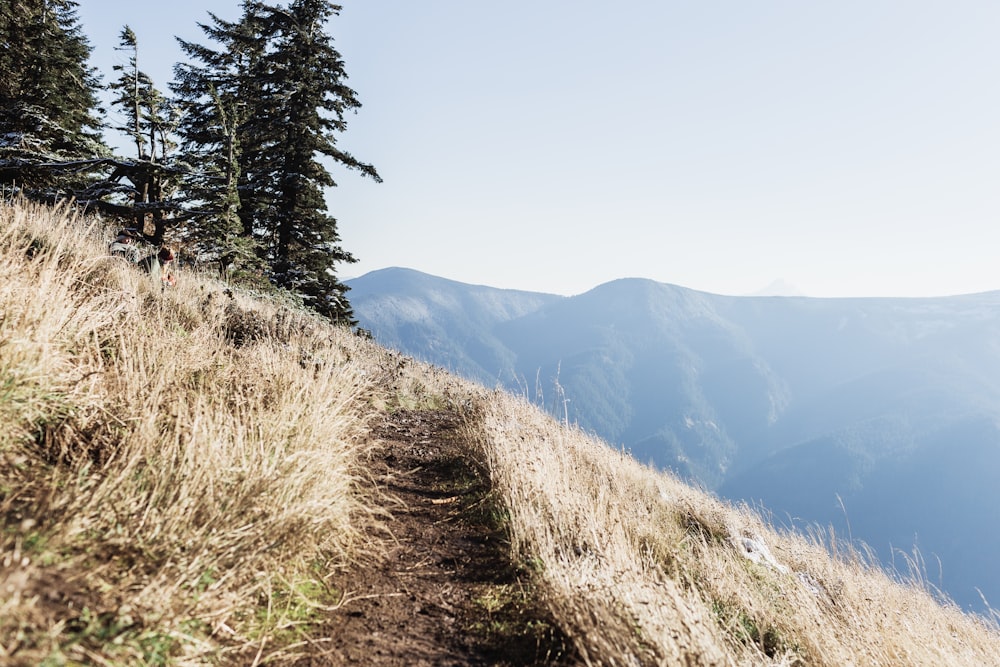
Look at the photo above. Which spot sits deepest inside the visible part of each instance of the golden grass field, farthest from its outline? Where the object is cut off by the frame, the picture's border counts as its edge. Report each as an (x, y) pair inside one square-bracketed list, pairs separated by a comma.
[(182, 472)]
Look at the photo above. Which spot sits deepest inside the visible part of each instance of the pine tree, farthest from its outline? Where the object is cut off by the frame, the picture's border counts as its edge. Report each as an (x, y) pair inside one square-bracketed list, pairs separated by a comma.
[(307, 90), (150, 122), (213, 96), (48, 98), (260, 112), (146, 110)]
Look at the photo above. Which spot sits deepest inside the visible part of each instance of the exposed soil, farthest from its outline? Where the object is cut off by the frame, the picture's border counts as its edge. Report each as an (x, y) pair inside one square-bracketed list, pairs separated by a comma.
[(446, 592)]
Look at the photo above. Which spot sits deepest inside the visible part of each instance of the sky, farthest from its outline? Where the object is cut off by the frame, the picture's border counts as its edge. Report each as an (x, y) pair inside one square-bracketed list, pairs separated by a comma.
[(847, 148)]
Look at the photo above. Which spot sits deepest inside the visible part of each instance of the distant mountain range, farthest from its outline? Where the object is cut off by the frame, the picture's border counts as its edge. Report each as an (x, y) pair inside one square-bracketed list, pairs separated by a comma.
[(876, 416)]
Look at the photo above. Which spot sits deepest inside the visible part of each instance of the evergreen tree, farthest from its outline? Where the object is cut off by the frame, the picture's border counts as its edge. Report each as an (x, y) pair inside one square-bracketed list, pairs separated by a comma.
[(262, 112), (213, 96), (48, 98), (307, 90), (150, 122), (146, 110)]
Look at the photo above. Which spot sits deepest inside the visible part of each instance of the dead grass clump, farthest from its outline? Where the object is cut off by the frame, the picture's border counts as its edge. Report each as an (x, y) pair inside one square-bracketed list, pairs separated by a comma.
[(243, 326), (572, 507)]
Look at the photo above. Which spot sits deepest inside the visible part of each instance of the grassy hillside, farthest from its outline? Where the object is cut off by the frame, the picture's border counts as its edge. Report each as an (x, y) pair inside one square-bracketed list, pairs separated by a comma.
[(185, 475)]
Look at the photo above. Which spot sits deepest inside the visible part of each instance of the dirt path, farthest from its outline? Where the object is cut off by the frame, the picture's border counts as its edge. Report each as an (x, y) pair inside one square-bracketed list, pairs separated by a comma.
[(446, 592)]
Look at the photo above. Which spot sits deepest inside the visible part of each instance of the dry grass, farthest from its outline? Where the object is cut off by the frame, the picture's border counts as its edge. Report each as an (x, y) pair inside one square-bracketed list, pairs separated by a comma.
[(174, 466), (182, 471), (643, 569)]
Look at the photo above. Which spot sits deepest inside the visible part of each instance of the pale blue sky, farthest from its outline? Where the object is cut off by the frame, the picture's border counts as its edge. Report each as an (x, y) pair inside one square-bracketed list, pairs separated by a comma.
[(851, 148)]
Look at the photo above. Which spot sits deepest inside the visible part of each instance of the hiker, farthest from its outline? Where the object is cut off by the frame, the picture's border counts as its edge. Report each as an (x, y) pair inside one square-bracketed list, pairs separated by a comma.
[(167, 277), (160, 265), (126, 244), (167, 257)]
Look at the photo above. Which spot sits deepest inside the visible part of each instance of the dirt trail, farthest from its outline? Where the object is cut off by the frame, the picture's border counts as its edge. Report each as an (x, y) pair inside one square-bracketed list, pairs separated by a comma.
[(446, 592)]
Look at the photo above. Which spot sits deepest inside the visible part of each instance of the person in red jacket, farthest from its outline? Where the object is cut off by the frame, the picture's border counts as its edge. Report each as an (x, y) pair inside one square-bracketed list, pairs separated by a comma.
[(160, 264)]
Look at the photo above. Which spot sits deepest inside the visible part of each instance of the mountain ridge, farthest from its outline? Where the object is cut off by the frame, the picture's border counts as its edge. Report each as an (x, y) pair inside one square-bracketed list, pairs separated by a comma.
[(726, 390)]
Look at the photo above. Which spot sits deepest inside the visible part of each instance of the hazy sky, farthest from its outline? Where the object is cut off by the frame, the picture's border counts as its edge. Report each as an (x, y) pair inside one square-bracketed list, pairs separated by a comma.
[(851, 148)]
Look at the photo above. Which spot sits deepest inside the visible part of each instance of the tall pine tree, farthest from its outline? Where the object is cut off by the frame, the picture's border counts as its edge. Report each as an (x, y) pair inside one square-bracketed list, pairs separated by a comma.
[(309, 92), (48, 98), (214, 91), (269, 105), (150, 123)]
